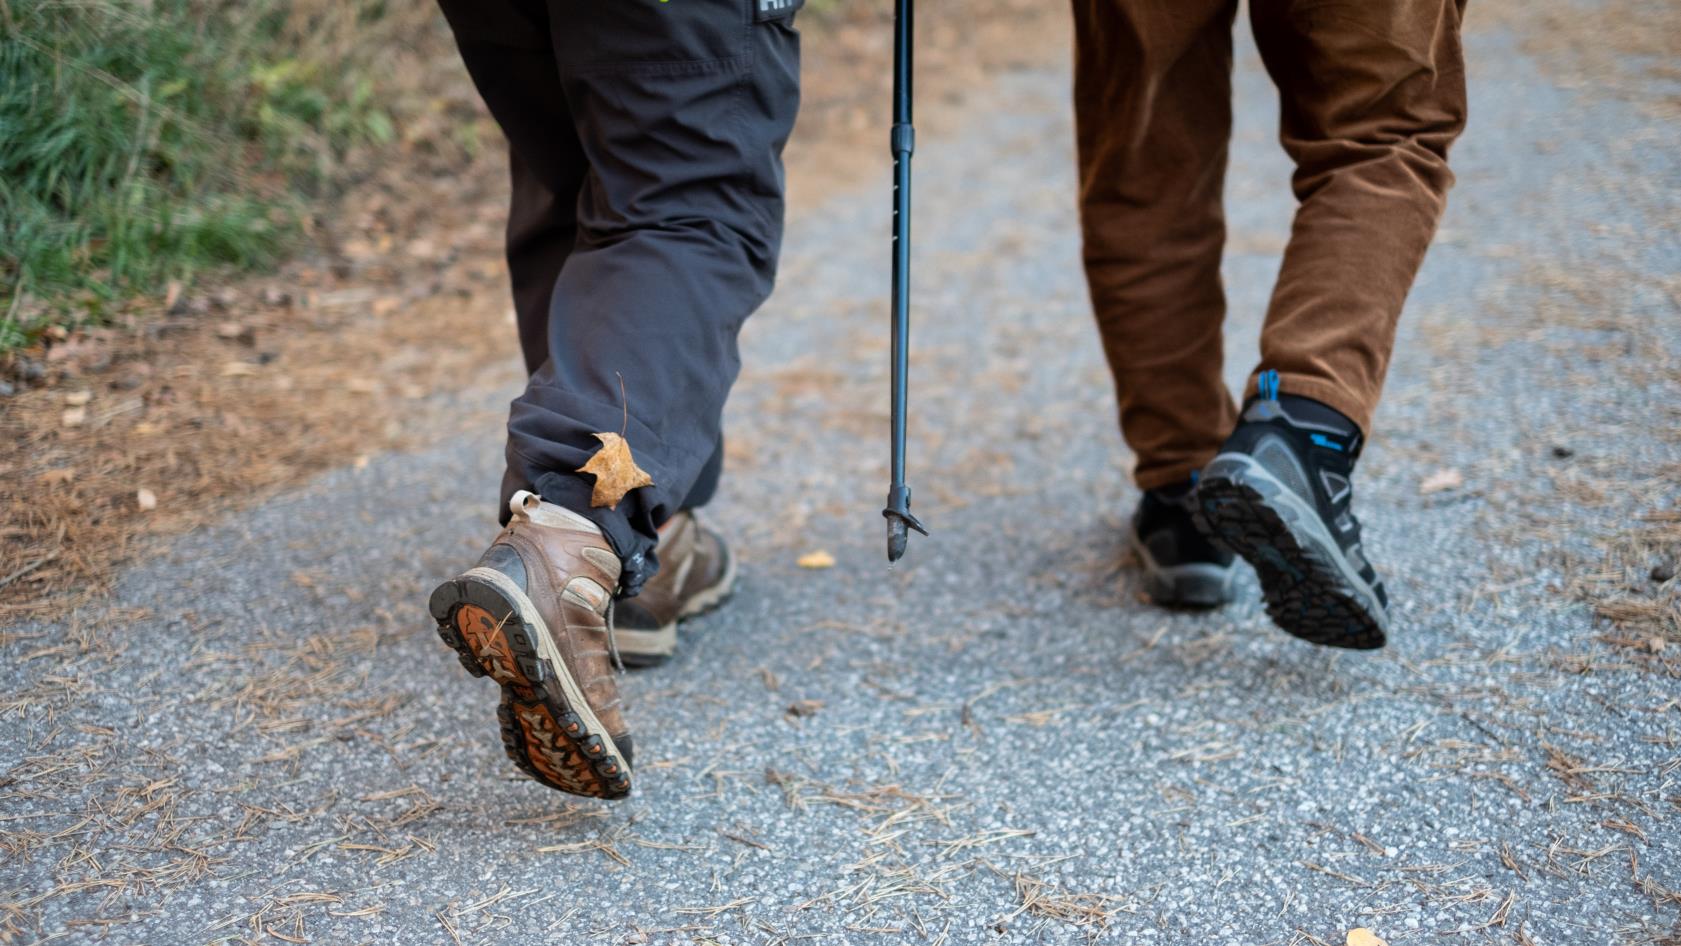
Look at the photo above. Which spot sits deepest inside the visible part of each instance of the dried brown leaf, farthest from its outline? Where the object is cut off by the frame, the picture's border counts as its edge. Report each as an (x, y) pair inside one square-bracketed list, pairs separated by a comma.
[(1440, 481), (817, 559), (615, 471)]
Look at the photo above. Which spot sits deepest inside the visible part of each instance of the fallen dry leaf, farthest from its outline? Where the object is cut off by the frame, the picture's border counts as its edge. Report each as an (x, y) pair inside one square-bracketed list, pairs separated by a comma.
[(615, 471), (803, 708), (1441, 480), (145, 499), (236, 332), (1360, 936), (817, 559)]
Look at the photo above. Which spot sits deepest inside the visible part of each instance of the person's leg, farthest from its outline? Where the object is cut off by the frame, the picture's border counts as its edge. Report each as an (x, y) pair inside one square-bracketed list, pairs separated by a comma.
[(1152, 101), (665, 127), (682, 111), (1373, 93)]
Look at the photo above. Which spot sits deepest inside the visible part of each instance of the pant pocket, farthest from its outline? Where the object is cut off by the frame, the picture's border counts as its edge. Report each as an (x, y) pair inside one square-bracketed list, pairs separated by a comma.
[(613, 35)]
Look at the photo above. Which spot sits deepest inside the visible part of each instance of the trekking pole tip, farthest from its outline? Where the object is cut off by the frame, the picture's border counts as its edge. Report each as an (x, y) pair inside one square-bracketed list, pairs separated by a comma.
[(898, 534), (900, 521)]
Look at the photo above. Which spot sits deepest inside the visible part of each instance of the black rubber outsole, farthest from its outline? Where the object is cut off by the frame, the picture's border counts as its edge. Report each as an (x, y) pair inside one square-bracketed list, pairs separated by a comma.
[(1186, 594), (1306, 594), (567, 755), (1199, 587)]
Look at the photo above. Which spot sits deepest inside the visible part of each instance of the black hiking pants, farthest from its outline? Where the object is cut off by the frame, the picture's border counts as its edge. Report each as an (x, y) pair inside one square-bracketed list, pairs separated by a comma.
[(645, 143)]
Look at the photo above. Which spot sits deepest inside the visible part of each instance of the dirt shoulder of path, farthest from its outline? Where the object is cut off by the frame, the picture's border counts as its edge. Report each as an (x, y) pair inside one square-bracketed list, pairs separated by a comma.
[(215, 397)]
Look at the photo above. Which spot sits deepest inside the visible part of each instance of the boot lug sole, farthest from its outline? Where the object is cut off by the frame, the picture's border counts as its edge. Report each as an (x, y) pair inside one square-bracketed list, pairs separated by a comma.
[(548, 728), (1311, 589)]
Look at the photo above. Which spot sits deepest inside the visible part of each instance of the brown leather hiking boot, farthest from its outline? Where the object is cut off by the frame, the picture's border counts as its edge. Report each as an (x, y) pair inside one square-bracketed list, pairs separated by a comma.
[(697, 573), (533, 615)]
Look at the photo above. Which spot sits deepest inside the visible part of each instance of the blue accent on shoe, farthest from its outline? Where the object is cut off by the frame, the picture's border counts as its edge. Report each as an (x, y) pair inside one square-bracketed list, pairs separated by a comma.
[(1267, 385), (1320, 440)]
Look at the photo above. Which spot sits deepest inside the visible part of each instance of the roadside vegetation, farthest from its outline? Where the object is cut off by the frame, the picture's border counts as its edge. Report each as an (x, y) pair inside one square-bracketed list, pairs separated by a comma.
[(148, 142)]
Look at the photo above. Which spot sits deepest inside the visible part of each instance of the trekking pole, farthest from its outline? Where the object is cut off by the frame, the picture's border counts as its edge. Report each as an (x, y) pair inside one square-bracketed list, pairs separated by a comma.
[(902, 141)]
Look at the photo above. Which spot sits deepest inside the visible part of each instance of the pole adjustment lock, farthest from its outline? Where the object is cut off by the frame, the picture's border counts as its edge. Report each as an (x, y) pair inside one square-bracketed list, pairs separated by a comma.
[(902, 139)]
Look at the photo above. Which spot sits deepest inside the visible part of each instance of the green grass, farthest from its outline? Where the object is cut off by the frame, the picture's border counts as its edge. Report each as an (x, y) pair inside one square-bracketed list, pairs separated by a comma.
[(147, 142)]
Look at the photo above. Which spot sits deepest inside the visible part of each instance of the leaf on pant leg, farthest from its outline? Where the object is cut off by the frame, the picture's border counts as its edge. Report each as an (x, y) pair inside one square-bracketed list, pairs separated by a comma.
[(615, 471)]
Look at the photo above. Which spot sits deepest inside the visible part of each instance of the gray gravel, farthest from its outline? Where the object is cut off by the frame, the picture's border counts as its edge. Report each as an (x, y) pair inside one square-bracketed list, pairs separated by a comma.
[(997, 741)]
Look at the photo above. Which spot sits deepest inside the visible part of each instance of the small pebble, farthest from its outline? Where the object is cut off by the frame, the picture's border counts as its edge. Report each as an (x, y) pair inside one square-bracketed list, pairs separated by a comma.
[(1563, 452), (1664, 572)]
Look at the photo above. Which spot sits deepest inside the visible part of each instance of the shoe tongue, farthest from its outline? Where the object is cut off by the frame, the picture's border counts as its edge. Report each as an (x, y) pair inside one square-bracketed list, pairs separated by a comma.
[(527, 505)]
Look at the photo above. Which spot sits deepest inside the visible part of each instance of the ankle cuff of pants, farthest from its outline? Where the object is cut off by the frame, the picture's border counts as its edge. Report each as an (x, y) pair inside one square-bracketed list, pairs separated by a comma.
[(1329, 393), (637, 558)]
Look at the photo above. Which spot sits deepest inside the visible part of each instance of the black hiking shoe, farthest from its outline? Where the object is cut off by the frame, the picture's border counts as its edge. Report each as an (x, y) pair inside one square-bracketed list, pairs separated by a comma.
[(1182, 569), (1278, 494)]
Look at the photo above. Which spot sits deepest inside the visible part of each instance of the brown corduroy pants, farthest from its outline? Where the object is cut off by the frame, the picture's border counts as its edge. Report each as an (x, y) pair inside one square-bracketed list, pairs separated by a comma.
[(1373, 94)]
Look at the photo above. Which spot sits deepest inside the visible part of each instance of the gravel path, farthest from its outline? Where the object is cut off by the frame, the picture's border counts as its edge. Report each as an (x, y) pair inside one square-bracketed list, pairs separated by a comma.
[(262, 739)]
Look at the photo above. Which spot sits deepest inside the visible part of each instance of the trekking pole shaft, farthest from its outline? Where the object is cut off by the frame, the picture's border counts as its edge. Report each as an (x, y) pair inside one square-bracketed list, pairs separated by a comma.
[(901, 306), (902, 143)]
